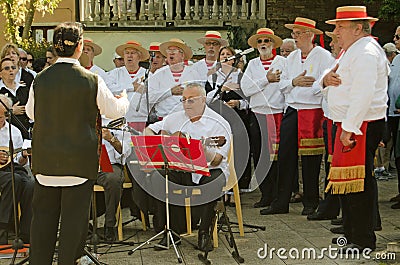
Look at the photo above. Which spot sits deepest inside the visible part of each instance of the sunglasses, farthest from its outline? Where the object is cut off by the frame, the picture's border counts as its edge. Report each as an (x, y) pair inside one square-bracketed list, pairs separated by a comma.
[(346, 149), (7, 68), (397, 36), (23, 59), (259, 41)]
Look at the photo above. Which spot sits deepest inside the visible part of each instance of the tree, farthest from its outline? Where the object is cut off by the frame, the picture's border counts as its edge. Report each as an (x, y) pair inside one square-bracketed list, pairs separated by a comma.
[(389, 9), (21, 13)]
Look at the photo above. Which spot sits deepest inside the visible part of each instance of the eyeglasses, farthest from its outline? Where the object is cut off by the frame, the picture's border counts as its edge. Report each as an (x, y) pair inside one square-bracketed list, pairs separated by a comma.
[(212, 44), (259, 41), (350, 147), (297, 33), (8, 68), (23, 59), (174, 51), (190, 100), (397, 36)]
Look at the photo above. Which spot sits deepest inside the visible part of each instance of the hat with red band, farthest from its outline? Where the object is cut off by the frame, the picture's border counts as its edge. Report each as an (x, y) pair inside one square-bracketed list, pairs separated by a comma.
[(264, 33), (304, 23), (346, 13), (213, 36)]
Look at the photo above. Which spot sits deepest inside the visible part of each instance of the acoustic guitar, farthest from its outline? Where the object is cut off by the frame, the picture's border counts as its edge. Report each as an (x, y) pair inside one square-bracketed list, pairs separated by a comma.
[(5, 149)]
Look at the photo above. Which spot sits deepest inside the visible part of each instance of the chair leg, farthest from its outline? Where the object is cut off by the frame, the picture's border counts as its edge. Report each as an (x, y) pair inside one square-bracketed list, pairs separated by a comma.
[(215, 235), (188, 216), (144, 225), (238, 206), (119, 222)]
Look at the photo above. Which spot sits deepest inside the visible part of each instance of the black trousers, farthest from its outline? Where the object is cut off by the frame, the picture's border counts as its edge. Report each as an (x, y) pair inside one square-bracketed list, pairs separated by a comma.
[(288, 165), (70, 206), (393, 126), (264, 171), (330, 205), (23, 191), (360, 209)]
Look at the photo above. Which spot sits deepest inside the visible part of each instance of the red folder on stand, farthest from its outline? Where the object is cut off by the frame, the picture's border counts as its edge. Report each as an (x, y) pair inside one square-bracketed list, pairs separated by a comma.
[(105, 163), (182, 154)]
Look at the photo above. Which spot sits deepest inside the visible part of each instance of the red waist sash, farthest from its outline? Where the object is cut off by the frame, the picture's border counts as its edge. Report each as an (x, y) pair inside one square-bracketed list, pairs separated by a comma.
[(347, 171), (273, 128), (310, 136)]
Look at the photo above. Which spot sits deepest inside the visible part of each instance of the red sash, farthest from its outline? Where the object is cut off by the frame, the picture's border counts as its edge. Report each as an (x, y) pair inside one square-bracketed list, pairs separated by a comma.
[(273, 128), (138, 125), (347, 171), (310, 136)]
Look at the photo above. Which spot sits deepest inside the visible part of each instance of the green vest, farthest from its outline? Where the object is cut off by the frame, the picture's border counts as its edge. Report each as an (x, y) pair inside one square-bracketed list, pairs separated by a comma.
[(65, 136)]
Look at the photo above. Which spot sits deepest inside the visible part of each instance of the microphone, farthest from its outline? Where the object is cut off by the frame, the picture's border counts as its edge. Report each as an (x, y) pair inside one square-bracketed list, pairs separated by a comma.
[(152, 55), (116, 123), (238, 55), (125, 129)]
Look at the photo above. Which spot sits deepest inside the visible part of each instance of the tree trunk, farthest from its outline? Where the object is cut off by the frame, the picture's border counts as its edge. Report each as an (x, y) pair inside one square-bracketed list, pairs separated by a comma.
[(29, 20), (11, 26)]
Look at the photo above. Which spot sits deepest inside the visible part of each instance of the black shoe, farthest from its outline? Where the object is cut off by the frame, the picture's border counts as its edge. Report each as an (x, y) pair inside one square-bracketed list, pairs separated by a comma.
[(308, 211), (378, 228), (337, 230), (163, 244), (319, 216), (338, 221), (261, 204), (395, 206), (270, 210), (204, 242), (110, 234)]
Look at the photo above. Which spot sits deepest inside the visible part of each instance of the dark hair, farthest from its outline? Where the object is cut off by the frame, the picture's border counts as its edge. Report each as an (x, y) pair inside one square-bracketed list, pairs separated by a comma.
[(66, 38), (5, 60), (231, 49), (38, 64)]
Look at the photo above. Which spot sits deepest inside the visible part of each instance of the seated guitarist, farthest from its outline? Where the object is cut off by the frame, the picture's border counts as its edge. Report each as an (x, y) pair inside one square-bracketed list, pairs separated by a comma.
[(23, 183), (199, 121)]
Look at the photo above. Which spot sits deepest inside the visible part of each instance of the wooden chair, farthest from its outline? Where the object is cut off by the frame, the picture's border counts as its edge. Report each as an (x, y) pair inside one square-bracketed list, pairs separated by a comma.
[(127, 185), (232, 183)]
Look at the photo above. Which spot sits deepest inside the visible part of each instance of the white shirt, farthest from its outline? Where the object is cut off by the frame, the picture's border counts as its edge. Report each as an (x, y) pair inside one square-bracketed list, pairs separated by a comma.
[(126, 143), (16, 138), (394, 84), (265, 97), (210, 124), (202, 69), (108, 105), (317, 61), (160, 84), (362, 95), (119, 79), (99, 71), (12, 91)]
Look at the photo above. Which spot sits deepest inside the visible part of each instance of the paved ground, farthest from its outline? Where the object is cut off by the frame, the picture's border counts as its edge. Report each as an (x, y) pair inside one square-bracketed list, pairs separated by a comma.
[(282, 231)]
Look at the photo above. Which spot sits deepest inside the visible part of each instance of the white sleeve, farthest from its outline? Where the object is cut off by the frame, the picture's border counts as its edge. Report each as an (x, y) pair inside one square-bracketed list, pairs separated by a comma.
[(109, 105), (29, 107)]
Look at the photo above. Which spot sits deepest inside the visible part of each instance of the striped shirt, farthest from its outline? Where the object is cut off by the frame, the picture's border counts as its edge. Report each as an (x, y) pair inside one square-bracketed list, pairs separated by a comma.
[(267, 63), (177, 75)]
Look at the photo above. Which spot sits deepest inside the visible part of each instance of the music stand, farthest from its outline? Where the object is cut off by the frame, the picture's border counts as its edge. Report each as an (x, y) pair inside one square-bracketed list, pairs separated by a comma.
[(169, 153)]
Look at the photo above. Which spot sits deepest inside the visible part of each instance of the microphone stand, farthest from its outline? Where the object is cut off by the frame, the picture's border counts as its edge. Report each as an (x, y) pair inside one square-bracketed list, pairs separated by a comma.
[(146, 86), (218, 92), (17, 243)]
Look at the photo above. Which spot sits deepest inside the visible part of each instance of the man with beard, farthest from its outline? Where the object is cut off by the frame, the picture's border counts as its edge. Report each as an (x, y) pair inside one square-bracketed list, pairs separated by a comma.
[(301, 128), (166, 85), (261, 82), (211, 42)]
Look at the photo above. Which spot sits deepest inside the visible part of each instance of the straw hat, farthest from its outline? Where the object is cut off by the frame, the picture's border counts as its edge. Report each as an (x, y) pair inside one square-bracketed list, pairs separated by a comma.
[(345, 13), (264, 33), (331, 35), (178, 43), (96, 48), (213, 35), (134, 45), (154, 46), (304, 23)]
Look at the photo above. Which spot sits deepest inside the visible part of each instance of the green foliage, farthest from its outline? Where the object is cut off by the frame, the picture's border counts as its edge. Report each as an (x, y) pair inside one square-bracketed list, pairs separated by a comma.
[(38, 49), (238, 36), (389, 9)]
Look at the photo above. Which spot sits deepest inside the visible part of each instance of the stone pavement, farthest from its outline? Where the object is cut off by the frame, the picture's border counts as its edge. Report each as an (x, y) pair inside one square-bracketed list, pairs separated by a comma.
[(282, 231)]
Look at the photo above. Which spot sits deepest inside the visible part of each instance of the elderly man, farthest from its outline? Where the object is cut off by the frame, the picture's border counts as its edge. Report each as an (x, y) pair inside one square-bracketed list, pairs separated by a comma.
[(357, 96), (23, 61), (212, 42), (198, 121), (23, 183), (91, 49), (301, 128), (130, 78), (118, 60), (288, 45), (157, 59), (166, 85), (261, 82)]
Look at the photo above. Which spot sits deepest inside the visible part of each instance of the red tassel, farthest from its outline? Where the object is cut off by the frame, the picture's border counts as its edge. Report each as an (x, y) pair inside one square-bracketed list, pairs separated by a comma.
[(321, 40), (274, 52)]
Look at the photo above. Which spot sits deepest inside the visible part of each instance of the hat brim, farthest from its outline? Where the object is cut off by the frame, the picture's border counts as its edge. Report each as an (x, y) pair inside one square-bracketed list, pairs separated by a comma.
[(221, 41), (252, 41), (333, 21), (313, 30), (120, 50), (96, 48), (188, 54)]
